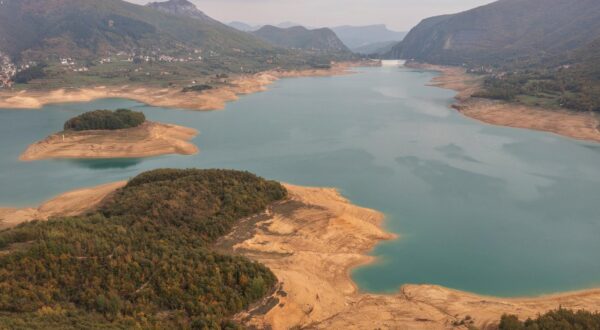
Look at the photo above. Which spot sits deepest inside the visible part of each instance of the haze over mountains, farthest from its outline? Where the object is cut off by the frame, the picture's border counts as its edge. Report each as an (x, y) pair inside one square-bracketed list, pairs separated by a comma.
[(502, 31), (180, 7), (299, 37), (367, 39)]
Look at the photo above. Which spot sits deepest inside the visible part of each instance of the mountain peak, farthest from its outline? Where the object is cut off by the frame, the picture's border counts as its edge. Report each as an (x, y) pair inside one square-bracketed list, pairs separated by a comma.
[(179, 7)]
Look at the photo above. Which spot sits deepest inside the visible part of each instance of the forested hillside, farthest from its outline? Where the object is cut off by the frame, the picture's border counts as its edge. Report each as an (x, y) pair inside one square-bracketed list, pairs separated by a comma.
[(299, 37), (143, 260), (36, 30), (503, 31)]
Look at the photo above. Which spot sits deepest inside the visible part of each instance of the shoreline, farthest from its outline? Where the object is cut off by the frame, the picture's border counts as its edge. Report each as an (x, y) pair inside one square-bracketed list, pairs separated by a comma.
[(581, 126), (311, 241), (147, 140), (213, 99), (71, 203)]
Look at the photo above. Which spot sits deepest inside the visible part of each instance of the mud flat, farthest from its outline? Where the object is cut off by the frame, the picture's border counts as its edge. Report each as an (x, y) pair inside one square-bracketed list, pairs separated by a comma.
[(312, 241), (213, 99), (68, 204), (577, 125), (146, 140)]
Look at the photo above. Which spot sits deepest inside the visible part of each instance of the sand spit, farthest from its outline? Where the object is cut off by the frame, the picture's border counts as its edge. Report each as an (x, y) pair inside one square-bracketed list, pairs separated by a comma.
[(311, 242), (577, 125), (147, 140), (68, 204), (214, 99)]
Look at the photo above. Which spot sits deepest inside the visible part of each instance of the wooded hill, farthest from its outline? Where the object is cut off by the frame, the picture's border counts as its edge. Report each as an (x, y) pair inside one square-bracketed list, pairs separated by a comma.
[(298, 37), (143, 260), (105, 120)]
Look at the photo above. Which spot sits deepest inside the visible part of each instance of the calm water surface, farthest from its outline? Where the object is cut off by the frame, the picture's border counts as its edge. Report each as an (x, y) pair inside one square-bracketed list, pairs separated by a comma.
[(485, 209)]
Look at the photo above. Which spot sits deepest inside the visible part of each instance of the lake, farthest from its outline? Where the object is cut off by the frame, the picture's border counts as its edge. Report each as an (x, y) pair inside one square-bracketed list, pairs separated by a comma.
[(486, 209)]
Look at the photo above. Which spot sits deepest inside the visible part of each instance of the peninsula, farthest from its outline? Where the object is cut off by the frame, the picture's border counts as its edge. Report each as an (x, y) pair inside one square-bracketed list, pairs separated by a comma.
[(311, 240), (83, 139), (580, 125)]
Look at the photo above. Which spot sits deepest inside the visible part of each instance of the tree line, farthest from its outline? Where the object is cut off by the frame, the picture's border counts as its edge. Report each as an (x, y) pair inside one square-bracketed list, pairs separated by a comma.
[(560, 319), (105, 120)]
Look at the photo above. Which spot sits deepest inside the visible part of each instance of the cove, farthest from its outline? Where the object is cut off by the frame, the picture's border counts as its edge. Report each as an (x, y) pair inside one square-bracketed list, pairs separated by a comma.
[(486, 209)]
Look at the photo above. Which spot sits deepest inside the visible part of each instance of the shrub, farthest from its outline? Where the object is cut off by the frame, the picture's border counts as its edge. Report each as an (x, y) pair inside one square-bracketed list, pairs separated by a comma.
[(197, 88), (34, 72), (562, 319)]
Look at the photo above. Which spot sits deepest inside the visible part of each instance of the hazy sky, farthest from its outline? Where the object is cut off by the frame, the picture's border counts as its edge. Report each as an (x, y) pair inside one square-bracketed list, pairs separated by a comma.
[(397, 14)]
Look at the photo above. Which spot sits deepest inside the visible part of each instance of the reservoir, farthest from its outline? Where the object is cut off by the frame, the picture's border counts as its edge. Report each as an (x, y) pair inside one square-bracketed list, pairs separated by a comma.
[(486, 209)]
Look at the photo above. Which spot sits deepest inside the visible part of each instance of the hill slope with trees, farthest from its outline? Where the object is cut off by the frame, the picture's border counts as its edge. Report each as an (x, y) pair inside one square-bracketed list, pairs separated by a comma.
[(503, 31), (143, 260), (299, 37), (105, 120), (42, 30)]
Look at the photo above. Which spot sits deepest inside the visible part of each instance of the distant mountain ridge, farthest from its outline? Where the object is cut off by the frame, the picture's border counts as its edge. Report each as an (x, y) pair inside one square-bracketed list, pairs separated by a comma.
[(299, 37), (376, 49), (502, 31), (373, 36), (243, 26)]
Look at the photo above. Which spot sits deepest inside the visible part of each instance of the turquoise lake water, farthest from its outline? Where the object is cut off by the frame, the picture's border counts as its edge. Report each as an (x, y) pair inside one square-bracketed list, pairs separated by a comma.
[(486, 209)]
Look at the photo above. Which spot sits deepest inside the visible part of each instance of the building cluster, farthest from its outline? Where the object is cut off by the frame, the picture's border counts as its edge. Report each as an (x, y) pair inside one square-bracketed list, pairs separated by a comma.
[(142, 56), (7, 70)]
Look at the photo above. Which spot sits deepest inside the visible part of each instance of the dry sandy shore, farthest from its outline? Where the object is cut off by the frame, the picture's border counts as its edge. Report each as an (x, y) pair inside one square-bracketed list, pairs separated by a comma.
[(311, 242), (577, 125), (68, 204), (213, 99), (146, 140)]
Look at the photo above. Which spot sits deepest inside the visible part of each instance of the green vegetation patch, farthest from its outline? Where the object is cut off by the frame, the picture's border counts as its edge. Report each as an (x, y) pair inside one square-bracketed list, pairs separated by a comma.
[(31, 73), (197, 88), (562, 319), (144, 259), (105, 120)]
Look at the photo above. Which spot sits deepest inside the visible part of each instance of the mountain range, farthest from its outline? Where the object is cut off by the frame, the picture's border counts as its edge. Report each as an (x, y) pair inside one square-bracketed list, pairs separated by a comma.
[(41, 30)]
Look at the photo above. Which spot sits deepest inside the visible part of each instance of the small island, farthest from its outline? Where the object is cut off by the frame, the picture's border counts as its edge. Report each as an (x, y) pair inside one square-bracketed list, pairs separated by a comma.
[(113, 134)]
